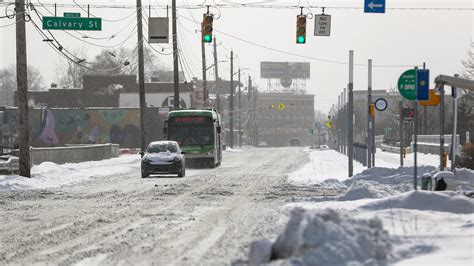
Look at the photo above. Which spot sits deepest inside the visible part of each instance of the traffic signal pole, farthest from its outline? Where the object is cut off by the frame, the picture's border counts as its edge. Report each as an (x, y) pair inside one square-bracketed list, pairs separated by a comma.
[(22, 89), (350, 134), (175, 55)]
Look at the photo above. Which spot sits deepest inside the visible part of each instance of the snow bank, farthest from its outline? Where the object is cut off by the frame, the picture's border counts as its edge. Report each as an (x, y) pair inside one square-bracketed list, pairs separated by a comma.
[(425, 200), (322, 165), (329, 237), (48, 174)]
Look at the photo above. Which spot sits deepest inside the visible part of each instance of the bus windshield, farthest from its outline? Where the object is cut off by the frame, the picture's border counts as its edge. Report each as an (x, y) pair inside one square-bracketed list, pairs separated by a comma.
[(187, 135)]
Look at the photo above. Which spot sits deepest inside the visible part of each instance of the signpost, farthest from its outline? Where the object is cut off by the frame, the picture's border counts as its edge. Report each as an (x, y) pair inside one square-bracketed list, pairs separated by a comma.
[(407, 85), (422, 84), (374, 6), (322, 25), (72, 21)]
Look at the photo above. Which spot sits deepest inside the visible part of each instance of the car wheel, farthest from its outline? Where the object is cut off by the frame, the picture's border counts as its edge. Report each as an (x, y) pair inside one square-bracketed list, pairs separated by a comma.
[(144, 175), (182, 173)]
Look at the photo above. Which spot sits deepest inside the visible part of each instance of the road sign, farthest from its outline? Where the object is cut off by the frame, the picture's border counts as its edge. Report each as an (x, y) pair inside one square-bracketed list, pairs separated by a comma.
[(407, 85), (422, 84), (328, 124), (72, 23), (72, 15), (381, 104), (374, 6), (281, 106), (433, 100), (158, 30), (322, 25)]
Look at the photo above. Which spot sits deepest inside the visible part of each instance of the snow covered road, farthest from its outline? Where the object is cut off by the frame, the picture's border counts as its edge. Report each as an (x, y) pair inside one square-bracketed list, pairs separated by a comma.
[(207, 218)]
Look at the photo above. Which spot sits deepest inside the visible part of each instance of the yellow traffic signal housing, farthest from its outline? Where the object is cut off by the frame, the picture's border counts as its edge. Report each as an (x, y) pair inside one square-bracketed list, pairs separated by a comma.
[(301, 29), (206, 27)]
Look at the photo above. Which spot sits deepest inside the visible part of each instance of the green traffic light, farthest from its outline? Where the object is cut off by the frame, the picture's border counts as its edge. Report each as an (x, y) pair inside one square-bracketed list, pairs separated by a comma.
[(301, 39), (207, 38)]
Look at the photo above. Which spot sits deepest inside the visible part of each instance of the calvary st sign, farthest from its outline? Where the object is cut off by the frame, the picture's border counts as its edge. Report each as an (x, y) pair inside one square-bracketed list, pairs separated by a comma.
[(72, 21)]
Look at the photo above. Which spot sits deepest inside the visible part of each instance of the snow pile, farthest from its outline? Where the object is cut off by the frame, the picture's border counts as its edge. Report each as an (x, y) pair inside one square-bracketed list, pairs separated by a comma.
[(48, 174), (322, 165), (379, 182), (329, 237), (427, 201), (367, 190)]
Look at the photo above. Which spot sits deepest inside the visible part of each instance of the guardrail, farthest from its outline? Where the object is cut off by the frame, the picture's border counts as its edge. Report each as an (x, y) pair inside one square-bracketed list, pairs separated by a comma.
[(74, 154)]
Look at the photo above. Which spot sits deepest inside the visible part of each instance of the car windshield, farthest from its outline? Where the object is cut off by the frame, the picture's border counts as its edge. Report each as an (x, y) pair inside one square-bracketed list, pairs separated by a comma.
[(162, 147)]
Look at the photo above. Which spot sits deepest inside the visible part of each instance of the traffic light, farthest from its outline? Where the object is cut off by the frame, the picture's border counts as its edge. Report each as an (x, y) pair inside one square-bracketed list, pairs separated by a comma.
[(301, 29), (206, 27)]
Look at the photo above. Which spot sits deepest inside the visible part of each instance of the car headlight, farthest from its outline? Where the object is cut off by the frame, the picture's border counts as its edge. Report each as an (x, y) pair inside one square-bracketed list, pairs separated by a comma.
[(210, 152), (146, 160)]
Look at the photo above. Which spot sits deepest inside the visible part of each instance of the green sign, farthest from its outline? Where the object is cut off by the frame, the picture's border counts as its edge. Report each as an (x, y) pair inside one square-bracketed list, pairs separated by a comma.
[(71, 23), (407, 85), (72, 15)]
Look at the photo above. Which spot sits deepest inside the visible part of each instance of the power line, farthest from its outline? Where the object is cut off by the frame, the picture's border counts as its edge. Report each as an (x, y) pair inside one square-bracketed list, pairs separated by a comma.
[(300, 55), (259, 5)]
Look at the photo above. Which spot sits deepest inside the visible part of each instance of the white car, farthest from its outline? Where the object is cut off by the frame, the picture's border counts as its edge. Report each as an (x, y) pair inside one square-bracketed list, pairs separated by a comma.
[(324, 147)]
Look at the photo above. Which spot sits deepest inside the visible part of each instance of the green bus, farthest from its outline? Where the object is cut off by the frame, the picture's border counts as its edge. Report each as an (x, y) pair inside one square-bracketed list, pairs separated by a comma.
[(198, 133)]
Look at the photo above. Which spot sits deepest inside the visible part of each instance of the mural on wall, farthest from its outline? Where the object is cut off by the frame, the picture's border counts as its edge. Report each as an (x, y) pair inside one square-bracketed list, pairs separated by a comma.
[(57, 127)]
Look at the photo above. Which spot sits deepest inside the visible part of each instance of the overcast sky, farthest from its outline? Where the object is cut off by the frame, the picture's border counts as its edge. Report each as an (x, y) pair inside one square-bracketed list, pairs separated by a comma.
[(400, 37)]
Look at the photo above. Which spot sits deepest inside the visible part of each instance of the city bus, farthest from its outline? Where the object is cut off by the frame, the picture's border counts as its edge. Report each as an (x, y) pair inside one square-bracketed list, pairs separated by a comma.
[(198, 133)]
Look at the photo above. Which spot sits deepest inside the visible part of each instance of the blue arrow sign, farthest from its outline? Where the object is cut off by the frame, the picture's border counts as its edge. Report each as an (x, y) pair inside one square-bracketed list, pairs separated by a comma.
[(374, 6), (422, 84)]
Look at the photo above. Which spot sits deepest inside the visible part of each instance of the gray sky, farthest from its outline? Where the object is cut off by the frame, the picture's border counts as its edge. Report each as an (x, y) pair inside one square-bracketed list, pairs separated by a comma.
[(397, 38)]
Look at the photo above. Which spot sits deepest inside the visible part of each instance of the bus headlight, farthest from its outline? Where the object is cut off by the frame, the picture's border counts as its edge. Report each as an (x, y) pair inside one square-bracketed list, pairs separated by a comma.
[(210, 152)]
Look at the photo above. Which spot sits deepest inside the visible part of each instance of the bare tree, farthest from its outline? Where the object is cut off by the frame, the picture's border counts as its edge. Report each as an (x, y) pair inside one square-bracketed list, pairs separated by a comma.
[(8, 83)]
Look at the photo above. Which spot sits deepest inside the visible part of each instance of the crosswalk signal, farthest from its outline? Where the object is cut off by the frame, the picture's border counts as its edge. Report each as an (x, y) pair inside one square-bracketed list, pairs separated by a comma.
[(206, 27), (301, 29)]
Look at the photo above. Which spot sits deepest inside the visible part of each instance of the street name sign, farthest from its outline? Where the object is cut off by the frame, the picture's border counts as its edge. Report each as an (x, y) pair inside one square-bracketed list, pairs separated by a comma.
[(322, 25), (72, 23), (407, 85), (422, 84), (374, 6)]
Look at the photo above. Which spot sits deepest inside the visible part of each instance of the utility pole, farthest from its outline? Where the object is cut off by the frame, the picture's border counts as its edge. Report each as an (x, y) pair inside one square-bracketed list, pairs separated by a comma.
[(415, 138), (231, 103), (345, 121), (441, 128), (350, 134), (204, 74), (369, 116), (255, 116), (400, 106), (141, 78), (338, 129), (22, 89), (454, 142), (240, 113), (175, 55), (249, 112), (216, 74)]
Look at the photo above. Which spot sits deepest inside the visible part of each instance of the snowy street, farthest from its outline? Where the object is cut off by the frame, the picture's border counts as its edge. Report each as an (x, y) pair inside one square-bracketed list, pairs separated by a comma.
[(208, 217), (103, 213)]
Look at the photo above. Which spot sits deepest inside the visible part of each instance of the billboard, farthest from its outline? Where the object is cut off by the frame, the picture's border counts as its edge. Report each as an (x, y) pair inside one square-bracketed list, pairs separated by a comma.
[(278, 70)]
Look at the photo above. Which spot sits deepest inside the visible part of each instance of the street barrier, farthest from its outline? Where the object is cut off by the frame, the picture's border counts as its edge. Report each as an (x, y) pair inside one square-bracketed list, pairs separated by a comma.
[(74, 154)]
